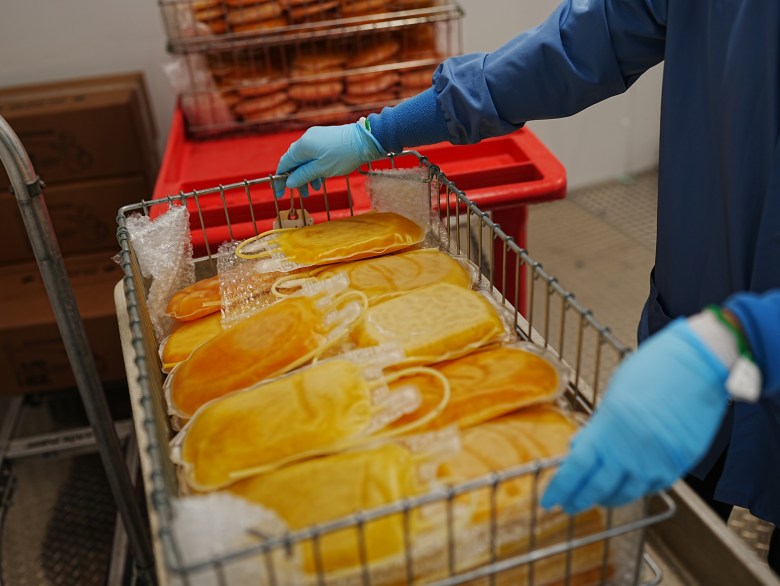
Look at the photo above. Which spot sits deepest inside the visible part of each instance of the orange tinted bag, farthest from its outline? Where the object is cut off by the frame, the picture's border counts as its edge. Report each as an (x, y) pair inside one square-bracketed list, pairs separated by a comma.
[(489, 383), (347, 239), (269, 343)]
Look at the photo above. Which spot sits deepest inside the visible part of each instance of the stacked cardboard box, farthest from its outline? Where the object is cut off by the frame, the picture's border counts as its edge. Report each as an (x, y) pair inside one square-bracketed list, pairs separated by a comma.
[(93, 142)]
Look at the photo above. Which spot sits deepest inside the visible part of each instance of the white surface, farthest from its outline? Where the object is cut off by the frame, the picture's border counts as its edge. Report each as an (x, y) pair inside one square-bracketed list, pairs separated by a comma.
[(44, 40)]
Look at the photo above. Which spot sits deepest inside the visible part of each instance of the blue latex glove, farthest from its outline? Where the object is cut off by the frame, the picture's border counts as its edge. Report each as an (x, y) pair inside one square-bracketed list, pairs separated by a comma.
[(662, 409), (326, 151)]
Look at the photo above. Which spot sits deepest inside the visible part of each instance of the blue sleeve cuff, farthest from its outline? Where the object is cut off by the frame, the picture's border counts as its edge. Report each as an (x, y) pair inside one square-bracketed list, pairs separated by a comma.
[(414, 122), (759, 316)]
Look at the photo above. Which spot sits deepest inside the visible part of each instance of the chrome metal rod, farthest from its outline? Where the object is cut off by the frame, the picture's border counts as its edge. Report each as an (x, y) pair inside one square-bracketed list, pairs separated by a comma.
[(27, 188)]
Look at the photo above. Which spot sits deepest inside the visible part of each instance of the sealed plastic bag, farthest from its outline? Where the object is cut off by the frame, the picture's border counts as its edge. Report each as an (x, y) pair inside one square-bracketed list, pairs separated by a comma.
[(320, 409), (326, 489), (184, 339), (195, 301), (386, 276), (269, 343), (434, 323), (341, 240), (489, 383), (163, 248), (517, 524)]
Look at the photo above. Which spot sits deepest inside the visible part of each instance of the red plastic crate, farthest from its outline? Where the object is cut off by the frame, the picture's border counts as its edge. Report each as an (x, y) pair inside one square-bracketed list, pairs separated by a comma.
[(501, 175)]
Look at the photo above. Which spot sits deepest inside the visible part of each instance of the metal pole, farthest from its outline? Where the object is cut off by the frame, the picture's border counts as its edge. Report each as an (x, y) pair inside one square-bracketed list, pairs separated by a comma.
[(28, 188)]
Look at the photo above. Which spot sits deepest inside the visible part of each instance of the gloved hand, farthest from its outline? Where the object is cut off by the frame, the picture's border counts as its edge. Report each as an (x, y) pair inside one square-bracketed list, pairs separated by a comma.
[(325, 151), (661, 410)]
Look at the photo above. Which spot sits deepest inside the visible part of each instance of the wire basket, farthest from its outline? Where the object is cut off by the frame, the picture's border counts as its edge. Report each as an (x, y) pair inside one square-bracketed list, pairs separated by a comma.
[(194, 25), (300, 75), (508, 549)]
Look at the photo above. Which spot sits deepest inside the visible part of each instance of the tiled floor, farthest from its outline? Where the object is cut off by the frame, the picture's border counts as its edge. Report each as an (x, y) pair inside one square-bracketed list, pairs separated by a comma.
[(599, 242)]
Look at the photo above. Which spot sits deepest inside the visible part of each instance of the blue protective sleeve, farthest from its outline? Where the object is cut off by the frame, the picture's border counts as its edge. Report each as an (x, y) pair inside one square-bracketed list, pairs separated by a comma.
[(760, 319), (414, 122), (586, 51)]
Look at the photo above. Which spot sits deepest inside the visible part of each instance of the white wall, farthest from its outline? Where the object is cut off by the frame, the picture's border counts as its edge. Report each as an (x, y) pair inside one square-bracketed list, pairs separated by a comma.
[(43, 40), (54, 39)]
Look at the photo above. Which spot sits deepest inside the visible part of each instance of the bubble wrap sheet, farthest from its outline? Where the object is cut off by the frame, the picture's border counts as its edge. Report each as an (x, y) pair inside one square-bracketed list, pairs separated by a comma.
[(164, 251)]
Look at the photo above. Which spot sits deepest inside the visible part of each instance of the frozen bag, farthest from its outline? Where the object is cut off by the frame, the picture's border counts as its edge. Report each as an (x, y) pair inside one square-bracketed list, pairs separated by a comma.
[(327, 489), (341, 240), (489, 383), (189, 335), (387, 276), (195, 301), (314, 411), (269, 343), (434, 323)]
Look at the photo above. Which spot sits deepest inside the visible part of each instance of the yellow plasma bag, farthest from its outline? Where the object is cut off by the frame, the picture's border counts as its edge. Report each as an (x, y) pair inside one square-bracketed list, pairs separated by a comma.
[(432, 324), (326, 489), (347, 239), (273, 341), (317, 410), (487, 384), (387, 276), (189, 335)]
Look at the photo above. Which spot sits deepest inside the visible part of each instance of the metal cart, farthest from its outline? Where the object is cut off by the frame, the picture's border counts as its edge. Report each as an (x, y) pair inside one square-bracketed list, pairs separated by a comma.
[(555, 320)]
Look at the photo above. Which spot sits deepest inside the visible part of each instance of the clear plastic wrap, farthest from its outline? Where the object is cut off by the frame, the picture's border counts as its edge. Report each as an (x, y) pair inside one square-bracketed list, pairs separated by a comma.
[(402, 191), (211, 526), (164, 251)]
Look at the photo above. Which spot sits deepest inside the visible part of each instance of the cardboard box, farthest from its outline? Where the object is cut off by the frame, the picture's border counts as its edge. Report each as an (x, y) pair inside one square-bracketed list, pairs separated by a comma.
[(32, 354), (85, 128), (83, 215)]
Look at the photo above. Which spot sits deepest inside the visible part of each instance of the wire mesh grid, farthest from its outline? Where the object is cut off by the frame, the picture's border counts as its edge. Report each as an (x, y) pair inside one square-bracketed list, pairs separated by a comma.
[(298, 75), (523, 544)]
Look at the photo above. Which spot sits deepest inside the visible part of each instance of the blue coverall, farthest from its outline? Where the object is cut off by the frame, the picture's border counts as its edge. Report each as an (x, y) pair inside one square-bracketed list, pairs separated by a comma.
[(719, 167)]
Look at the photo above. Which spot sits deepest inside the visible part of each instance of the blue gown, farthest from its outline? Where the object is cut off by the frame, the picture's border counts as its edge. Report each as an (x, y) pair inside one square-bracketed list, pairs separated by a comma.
[(719, 167)]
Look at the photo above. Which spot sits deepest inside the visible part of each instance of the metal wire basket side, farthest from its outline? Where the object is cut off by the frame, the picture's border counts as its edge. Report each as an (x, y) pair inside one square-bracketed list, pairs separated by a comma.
[(334, 75), (190, 26), (497, 255)]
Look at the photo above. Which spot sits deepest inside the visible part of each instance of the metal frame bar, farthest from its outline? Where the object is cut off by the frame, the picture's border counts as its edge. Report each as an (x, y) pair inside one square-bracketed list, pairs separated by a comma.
[(28, 189)]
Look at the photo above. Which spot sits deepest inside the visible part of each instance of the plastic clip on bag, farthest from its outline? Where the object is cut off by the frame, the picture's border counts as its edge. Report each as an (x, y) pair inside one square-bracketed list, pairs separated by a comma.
[(346, 239), (315, 411), (273, 341), (384, 277), (434, 323), (489, 383)]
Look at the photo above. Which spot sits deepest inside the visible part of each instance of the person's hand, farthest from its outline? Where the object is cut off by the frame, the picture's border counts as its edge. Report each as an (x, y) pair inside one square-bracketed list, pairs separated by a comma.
[(662, 409), (326, 151)]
